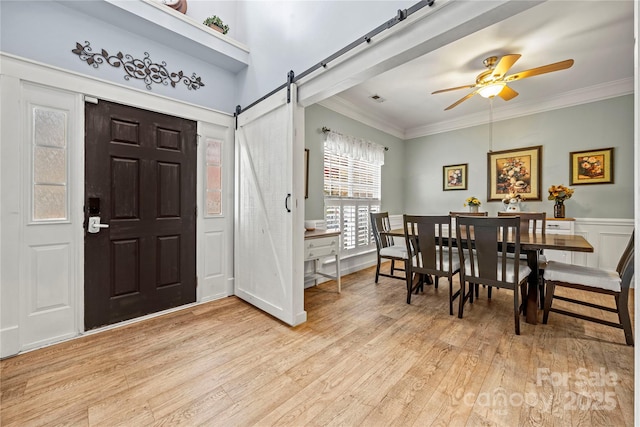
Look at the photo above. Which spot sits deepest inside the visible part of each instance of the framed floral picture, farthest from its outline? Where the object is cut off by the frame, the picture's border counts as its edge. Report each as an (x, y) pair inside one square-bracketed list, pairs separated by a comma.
[(454, 177), (515, 172), (591, 167)]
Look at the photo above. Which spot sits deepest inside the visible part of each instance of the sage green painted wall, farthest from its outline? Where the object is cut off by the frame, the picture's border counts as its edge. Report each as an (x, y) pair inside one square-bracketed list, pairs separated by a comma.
[(317, 116), (601, 124)]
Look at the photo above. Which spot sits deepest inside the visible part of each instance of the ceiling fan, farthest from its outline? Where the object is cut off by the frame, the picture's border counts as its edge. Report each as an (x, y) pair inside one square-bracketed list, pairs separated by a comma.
[(493, 82)]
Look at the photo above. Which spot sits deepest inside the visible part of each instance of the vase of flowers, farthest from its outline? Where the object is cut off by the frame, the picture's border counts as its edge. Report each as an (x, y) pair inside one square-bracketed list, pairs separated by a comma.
[(512, 201), (559, 193), (473, 203)]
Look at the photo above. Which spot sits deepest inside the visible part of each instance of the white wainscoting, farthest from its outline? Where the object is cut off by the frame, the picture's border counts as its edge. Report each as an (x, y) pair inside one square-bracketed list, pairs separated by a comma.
[(608, 237)]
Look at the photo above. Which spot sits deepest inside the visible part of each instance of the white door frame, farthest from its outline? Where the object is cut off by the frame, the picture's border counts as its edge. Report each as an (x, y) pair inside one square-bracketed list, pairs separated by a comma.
[(15, 71)]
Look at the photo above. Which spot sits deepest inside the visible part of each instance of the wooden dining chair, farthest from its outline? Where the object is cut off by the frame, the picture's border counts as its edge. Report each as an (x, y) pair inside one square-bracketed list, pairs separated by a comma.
[(485, 260), (386, 248), (588, 279), (430, 253), (531, 222), (455, 214)]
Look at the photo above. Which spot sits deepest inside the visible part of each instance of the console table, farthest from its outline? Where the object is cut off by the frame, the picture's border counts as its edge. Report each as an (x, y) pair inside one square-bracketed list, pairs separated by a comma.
[(320, 244)]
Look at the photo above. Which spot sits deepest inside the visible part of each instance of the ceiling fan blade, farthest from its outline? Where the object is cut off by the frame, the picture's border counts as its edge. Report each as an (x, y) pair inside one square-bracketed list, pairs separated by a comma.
[(507, 93), (505, 63), (460, 101), (453, 88), (557, 66)]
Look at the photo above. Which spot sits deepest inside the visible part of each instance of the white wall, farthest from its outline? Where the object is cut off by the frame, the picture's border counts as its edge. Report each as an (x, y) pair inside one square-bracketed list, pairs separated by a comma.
[(59, 28), (295, 35)]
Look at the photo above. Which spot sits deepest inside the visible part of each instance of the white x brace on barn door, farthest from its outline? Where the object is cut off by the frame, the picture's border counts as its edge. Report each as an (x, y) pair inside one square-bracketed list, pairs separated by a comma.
[(269, 226)]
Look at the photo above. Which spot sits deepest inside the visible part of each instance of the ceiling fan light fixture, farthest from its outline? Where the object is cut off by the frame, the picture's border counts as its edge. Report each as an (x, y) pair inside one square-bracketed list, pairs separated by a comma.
[(491, 90)]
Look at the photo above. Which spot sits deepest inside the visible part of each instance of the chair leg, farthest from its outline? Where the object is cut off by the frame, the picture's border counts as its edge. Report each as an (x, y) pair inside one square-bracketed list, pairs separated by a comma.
[(462, 297), (435, 281), (378, 269), (516, 310), (625, 321), (450, 297), (551, 287), (541, 288), (393, 266)]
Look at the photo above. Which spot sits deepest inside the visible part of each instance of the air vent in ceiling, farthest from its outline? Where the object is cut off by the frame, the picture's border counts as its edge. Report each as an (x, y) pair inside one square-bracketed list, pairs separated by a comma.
[(377, 98)]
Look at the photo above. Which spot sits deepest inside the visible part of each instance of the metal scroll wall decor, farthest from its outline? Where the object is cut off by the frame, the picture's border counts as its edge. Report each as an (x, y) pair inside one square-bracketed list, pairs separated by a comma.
[(141, 69)]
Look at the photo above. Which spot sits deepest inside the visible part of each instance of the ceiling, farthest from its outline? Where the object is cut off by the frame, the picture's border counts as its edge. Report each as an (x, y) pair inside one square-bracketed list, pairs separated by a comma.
[(598, 35)]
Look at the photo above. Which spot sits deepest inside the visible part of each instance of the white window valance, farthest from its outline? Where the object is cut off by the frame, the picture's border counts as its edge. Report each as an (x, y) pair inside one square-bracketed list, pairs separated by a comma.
[(354, 148)]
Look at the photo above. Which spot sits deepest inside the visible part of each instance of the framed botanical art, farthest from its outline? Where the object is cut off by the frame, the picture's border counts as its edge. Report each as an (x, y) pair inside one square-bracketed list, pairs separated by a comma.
[(454, 177), (591, 167), (515, 172)]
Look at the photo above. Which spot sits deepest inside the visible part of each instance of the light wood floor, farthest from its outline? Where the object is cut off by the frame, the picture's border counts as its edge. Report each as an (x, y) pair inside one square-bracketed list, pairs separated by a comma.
[(364, 358)]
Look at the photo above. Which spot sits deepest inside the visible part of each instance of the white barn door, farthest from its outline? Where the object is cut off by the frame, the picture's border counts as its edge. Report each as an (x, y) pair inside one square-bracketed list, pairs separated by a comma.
[(269, 226)]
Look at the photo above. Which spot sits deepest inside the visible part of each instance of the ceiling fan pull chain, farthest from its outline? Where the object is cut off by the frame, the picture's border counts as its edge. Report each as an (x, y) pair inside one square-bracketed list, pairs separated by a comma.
[(490, 125)]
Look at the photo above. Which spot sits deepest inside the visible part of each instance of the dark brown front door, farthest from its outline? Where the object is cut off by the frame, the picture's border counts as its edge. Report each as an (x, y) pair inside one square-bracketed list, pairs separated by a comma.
[(140, 170)]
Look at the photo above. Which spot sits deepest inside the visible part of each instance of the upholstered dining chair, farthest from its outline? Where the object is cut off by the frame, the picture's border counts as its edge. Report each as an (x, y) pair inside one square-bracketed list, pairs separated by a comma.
[(386, 248), (531, 222), (430, 253), (588, 279), (485, 260)]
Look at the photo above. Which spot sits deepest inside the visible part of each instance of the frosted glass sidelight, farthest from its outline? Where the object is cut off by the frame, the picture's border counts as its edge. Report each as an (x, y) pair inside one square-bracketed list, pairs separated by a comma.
[(49, 158), (50, 127), (50, 166), (213, 151), (49, 202), (214, 205), (214, 177)]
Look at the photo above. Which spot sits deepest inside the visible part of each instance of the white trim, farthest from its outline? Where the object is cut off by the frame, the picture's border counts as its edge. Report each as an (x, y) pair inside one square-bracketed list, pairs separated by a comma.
[(171, 28), (356, 112), (605, 221), (569, 99), (15, 72), (37, 72)]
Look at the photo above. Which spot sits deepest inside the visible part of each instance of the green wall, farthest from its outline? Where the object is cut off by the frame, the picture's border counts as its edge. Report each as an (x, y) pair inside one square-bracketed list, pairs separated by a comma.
[(601, 124), (412, 174), (317, 116)]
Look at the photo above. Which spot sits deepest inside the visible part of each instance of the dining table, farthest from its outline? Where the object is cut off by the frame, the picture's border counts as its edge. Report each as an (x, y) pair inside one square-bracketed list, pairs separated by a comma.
[(531, 244)]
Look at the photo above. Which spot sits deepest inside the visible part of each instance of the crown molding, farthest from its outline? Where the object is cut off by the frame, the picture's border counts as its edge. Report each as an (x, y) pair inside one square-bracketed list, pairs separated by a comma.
[(564, 100), (355, 112)]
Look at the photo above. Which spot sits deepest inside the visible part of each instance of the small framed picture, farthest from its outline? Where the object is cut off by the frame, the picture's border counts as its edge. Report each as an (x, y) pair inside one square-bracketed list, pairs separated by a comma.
[(592, 167), (454, 177)]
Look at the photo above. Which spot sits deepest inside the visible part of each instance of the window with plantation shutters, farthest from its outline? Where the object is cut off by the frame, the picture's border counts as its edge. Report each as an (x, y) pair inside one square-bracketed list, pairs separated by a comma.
[(352, 180)]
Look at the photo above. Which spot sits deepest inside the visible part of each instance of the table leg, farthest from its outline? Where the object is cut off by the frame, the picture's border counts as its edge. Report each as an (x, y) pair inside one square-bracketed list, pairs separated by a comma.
[(532, 291)]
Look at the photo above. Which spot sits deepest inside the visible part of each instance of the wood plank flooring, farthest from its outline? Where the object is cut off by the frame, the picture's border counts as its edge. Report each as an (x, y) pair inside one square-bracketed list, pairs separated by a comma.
[(364, 358)]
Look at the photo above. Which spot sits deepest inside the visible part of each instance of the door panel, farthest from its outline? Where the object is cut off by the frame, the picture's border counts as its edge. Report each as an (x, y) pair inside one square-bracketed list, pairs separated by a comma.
[(269, 209), (140, 172)]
